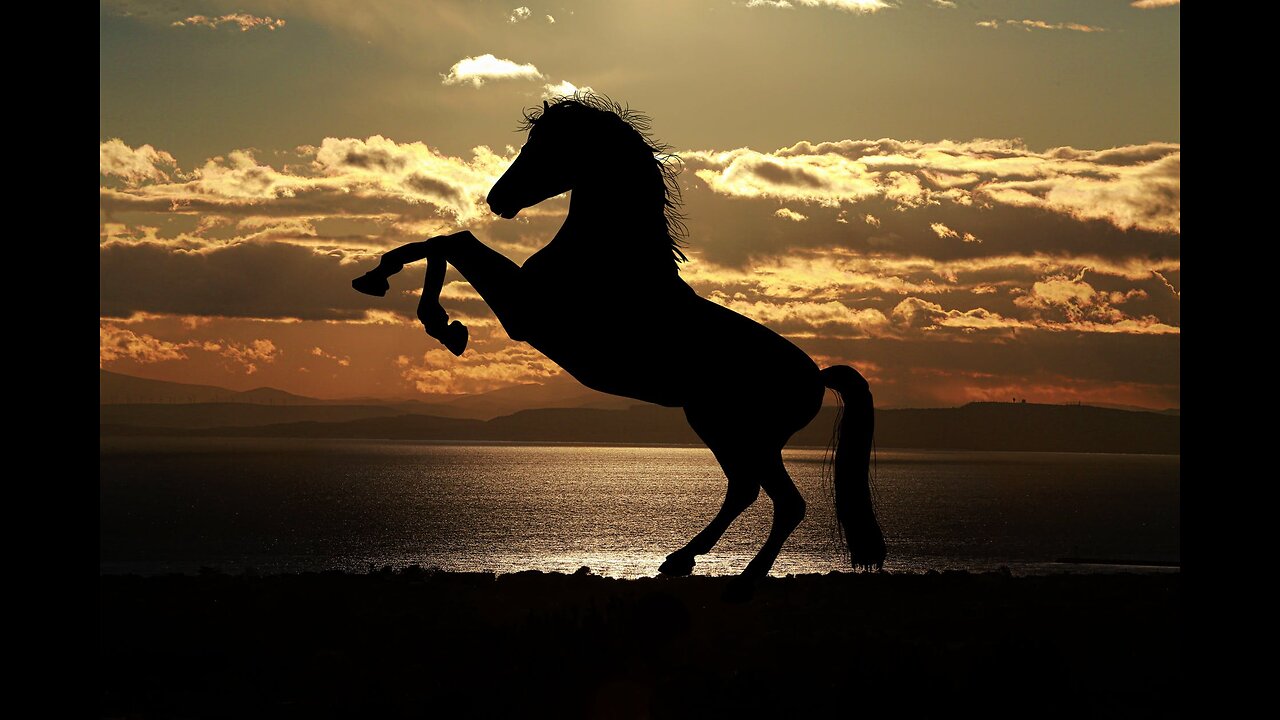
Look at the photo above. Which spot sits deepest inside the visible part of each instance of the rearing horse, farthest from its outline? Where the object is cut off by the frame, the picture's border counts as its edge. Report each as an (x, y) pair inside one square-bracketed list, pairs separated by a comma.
[(605, 301)]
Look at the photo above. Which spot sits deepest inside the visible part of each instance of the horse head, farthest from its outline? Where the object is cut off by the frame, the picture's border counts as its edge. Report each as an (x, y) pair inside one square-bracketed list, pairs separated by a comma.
[(567, 140), (587, 140)]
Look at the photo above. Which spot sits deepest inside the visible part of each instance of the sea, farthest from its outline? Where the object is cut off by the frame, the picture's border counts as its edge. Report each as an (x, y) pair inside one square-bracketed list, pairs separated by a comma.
[(180, 505)]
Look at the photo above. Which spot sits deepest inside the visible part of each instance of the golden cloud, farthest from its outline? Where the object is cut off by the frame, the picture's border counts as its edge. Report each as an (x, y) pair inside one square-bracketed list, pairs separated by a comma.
[(476, 71), (350, 177), (116, 343), (439, 371), (244, 21), (852, 6), (134, 165), (1040, 25), (121, 343), (1130, 187)]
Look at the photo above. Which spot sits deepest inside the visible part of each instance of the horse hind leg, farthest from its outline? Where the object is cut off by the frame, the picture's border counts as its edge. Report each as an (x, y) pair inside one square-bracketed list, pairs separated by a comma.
[(788, 512), (748, 469), (709, 422), (742, 492)]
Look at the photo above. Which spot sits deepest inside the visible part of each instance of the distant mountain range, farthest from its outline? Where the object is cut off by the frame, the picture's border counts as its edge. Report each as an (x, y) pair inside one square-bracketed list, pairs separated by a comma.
[(116, 388), (174, 403), (976, 426)]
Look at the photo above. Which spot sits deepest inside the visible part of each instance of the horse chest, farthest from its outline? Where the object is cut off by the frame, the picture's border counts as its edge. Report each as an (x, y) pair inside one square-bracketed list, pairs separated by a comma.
[(559, 279)]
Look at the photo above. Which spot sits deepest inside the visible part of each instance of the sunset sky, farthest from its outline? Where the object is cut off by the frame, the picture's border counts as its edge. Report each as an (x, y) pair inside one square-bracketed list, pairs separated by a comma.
[(968, 200)]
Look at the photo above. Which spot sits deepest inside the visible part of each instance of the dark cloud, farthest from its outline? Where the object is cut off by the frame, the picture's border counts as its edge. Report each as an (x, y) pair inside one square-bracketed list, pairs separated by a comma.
[(776, 173), (374, 160), (431, 187), (733, 231), (267, 280)]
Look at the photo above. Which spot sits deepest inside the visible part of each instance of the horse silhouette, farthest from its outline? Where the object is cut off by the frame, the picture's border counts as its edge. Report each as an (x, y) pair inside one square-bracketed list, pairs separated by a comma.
[(605, 301)]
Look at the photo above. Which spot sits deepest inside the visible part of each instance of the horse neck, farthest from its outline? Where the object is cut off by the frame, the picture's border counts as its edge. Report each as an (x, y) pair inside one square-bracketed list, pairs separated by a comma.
[(616, 221)]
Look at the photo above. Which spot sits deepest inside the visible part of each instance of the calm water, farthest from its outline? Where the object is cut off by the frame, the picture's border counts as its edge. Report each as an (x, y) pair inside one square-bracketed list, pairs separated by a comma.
[(291, 505)]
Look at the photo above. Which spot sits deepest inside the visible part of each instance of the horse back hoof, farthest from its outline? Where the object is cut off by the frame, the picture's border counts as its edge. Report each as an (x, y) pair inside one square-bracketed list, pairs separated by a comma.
[(676, 566), (455, 337), (369, 284)]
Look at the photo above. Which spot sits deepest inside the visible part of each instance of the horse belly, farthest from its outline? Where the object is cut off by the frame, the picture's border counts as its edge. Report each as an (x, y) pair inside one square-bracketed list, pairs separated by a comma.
[(616, 365)]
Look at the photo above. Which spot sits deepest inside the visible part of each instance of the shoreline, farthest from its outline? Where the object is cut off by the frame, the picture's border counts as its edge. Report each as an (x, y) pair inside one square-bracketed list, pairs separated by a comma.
[(413, 642), (147, 441)]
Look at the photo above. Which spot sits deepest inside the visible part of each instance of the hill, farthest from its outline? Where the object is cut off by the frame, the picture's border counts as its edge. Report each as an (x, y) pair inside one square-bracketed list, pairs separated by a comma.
[(976, 426), (172, 404), (117, 388)]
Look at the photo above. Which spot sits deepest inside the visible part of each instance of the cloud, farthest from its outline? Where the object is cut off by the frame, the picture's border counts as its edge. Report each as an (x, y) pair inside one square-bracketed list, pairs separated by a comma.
[(551, 20), (134, 165), (519, 14), (853, 6), (1145, 196), (1066, 301), (120, 343), (943, 231), (943, 3), (341, 360), (247, 355), (1167, 284), (439, 371), (116, 343), (373, 177), (255, 280), (244, 21), (798, 318), (1151, 4), (1133, 187), (1040, 25), (241, 239), (926, 315), (476, 71), (825, 179), (1072, 294), (1019, 294), (562, 89)]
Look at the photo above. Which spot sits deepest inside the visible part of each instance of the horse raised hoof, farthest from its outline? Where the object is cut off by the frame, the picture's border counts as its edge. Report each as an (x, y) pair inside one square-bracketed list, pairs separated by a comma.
[(740, 589), (372, 284), (455, 337), (677, 565)]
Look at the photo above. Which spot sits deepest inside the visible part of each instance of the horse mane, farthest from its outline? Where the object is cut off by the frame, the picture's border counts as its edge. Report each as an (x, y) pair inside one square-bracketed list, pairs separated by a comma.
[(669, 164)]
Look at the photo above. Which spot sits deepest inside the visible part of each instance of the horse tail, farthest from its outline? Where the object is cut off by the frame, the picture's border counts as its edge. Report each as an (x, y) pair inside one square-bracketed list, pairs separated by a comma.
[(855, 427)]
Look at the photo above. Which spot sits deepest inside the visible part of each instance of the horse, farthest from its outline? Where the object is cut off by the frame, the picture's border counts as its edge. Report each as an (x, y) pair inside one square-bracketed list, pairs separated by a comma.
[(605, 301)]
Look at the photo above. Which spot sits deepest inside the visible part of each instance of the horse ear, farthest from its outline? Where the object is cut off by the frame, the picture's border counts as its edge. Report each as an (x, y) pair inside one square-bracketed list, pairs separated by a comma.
[(545, 107)]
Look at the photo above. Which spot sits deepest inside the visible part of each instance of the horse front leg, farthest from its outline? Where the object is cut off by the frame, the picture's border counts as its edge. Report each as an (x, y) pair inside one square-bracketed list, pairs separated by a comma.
[(432, 314), (492, 274), (375, 282)]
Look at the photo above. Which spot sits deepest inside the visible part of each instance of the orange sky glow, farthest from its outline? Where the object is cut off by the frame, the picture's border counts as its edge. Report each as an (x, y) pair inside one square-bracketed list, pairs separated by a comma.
[(966, 201)]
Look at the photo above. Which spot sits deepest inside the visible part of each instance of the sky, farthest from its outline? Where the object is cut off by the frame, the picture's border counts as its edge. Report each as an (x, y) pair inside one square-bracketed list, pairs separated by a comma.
[(968, 200)]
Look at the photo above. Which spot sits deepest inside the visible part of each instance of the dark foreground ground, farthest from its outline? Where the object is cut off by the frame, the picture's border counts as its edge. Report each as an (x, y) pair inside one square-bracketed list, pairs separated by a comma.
[(420, 644)]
